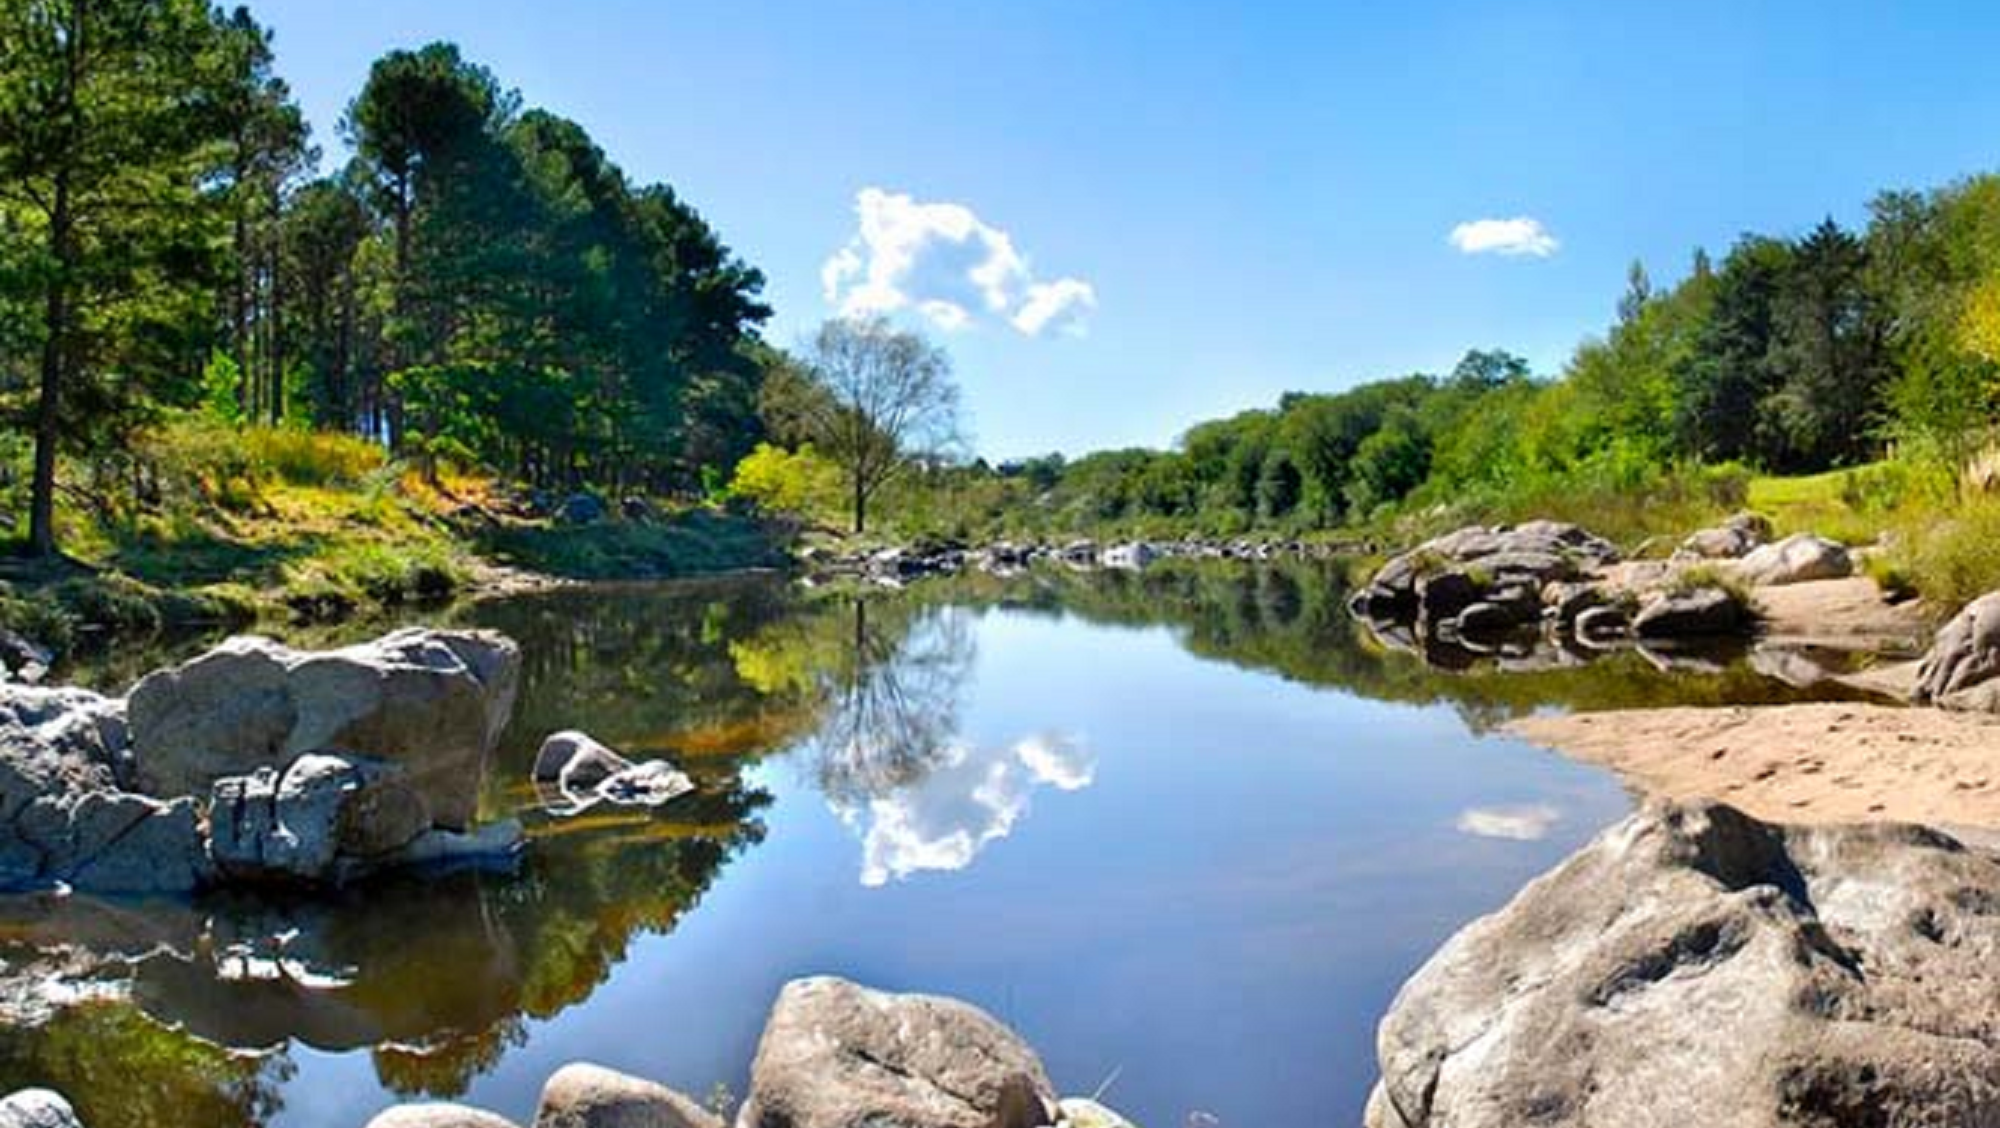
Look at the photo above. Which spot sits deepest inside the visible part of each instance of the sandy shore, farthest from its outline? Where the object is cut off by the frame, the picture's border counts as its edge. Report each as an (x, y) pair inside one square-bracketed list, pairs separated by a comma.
[(1799, 763)]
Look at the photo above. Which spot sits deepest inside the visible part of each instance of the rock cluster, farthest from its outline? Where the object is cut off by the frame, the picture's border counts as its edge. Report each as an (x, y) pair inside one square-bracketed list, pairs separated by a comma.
[(1695, 966), (833, 1055), (901, 564), (255, 762), (1482, 590), (1731, 540)]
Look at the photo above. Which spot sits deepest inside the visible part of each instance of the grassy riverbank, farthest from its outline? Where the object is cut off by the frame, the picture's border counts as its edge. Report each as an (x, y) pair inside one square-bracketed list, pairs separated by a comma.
[(206, 524)]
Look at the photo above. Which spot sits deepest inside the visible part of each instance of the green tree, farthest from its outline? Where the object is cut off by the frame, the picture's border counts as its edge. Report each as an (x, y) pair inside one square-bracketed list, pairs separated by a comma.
[(878, 400), (112, 132)]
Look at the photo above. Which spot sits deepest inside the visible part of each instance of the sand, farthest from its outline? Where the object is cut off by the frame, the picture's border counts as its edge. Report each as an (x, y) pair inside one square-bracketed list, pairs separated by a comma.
[(1830, 763)]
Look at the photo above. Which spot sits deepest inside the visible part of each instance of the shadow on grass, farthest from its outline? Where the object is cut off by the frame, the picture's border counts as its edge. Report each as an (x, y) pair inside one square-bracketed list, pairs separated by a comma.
[(690, 544)]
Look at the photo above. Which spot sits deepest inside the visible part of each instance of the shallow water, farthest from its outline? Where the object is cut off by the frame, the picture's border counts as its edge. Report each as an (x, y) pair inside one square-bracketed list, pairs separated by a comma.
[(1186, 831)]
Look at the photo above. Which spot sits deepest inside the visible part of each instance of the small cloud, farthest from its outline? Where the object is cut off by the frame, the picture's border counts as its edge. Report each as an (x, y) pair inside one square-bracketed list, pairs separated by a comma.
[(949, 266), (1518, 236), (1515, 824)]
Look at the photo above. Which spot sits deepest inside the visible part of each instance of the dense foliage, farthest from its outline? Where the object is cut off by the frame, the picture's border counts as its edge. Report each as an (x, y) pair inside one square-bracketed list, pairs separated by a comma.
[(479, 283), (1791, 355)]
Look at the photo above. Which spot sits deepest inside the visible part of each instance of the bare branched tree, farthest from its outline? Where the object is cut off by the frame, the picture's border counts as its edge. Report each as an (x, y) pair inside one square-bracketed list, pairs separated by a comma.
[(876, 400)]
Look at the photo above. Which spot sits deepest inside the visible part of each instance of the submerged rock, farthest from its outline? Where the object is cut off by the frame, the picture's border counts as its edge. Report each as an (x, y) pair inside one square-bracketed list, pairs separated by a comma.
[(1960, 669), (650, 784), (582, 1095), (837, 1055), (574, 760), (434, 702), (1706, 612), (1695, 966)]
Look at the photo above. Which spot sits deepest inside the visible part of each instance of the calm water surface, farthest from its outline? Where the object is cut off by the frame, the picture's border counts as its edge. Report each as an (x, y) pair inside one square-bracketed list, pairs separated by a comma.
[(1187, 832)]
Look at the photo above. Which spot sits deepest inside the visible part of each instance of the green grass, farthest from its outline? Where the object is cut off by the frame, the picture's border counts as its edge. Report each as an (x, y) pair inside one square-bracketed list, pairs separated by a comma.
[(250, 523)]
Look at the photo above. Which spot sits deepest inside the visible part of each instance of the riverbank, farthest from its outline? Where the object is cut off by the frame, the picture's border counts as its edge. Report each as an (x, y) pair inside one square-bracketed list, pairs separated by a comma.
[(233, 527)]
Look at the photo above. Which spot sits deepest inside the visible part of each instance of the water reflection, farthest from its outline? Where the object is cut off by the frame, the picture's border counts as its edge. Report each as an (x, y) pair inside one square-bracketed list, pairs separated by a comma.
[(970, 798), (193, 1015), (1528, 823)]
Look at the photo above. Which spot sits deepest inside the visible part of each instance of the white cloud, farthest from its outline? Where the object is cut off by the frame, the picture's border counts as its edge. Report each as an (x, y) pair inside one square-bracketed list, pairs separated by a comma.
[(970, 799), (948, 265), (1518, 236), (1515, 824)]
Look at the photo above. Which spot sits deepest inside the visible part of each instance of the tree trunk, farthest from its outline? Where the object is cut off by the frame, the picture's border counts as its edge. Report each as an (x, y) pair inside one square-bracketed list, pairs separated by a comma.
[(860, 506), (48, 407)]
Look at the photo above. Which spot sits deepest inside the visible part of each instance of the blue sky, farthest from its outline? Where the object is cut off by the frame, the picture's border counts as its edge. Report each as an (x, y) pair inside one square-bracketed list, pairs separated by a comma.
[(1195, 208)]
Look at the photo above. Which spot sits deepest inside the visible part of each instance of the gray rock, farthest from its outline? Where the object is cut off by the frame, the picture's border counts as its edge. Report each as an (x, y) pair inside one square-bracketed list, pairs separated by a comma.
[(1130, 556), (1708, 612), (37, 1108), (576, 762), (650, 784), (1797, 559), (836, 1055), (162, 852), (1535, 554), (1695, 966), (1735, 538), (434, 702), (307, 824), (582, 1095), (55, 741), (438, 1116), (1960, 668)]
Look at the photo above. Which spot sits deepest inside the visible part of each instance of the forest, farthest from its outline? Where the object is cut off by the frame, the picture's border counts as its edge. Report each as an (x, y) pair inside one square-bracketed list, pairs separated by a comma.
[(198, 308), (480, 284)]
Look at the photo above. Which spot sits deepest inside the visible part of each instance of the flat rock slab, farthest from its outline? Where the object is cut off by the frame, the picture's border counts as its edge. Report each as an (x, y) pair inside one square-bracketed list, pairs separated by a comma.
[(1831, 763)]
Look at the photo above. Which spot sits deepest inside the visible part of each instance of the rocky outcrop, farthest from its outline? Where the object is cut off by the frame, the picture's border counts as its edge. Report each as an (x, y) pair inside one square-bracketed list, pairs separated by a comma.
[(338, 765), (1695, 966), (582, 1095), (433, 702), (1797, 559), (1505, 567), (833, 1055), (1963, 662), (37, 1108), (837, 1055)]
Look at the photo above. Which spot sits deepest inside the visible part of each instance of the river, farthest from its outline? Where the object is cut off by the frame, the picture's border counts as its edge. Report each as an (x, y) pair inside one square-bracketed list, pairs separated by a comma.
[(1186, 830)]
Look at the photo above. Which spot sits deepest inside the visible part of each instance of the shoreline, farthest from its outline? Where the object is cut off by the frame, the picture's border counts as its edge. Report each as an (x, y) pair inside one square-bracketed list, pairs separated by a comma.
[(1814, 764)]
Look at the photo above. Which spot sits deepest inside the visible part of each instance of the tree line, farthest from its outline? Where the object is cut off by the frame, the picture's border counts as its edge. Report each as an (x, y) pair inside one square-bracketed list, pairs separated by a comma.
[(1829, 349), (480, 282)]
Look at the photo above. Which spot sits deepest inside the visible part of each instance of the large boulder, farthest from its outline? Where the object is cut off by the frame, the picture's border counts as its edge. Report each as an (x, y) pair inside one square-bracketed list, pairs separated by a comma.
[(37, 1108), (837, 1055), (433, 702), (437, 1115), (1695, 966), (1797, 559), (58, 740), (582, 1095), (1960, 668)]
